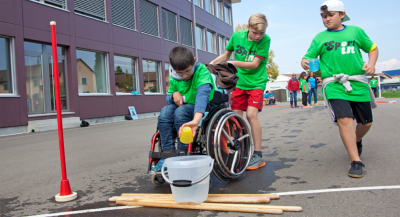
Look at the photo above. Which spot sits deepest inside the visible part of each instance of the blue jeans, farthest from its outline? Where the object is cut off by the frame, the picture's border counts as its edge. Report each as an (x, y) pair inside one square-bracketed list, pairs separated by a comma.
[(293, 97), (312, 91), (172, 115)]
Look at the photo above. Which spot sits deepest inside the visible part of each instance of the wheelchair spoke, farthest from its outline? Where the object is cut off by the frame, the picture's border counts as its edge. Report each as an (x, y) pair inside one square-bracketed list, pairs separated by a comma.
[(233, 165), (227, 136)]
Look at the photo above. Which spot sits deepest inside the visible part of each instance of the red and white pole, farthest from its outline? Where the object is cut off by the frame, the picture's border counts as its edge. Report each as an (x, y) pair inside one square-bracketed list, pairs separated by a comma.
[(65, 191)]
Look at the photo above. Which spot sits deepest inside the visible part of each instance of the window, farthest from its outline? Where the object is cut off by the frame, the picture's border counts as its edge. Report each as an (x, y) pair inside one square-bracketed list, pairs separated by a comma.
[(211, 45), (199, 3), (228, 14), (221, 44), (219, 9), (6, 66), (40, 89), (84, 81), (123, 13), (55, 3), (168, 68), (92, 8), (170, 31), (186, 32), (149, 18), (151, 76), (125, 74), (200, 38), (91, 65), (209, 6)]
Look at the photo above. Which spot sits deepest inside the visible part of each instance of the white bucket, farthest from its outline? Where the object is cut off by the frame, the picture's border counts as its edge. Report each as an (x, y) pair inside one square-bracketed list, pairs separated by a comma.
[(190, 177)]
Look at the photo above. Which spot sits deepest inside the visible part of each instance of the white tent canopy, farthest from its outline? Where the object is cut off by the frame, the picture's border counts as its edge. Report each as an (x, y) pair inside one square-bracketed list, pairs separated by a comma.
[(280, 83)]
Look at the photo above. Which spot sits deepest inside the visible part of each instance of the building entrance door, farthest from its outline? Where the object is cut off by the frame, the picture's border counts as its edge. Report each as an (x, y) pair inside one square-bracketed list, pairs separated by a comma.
[(39, 78)]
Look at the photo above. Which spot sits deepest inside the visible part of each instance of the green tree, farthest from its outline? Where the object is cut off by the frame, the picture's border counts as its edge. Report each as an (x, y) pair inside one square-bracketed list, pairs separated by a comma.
[(272, 68), (118, 70)]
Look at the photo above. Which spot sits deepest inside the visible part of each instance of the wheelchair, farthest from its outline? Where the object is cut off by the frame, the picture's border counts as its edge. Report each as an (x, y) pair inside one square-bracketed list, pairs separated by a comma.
[(222, 134)]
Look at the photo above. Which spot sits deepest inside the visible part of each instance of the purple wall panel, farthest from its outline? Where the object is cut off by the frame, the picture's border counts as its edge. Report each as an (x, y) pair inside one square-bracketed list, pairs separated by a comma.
[(126, 51), (91, 29), (7, 29), (47, 14), (90, 44), (126, 37), (206, 57), (151, 43), (167, 46), (20, 73), (44, 36), (7, 11), (9, 116), (95, 106), (154, 103), (123, 102)]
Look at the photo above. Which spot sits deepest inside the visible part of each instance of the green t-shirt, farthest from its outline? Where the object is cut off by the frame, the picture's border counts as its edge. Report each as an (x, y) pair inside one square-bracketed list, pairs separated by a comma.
[(303, 83), (339, 52), (188, 89), (373, 82), (246, 51)]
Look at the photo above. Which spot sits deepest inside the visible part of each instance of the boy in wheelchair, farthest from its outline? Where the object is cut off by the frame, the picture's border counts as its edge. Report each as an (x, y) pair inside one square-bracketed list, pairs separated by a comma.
[(191, 88)]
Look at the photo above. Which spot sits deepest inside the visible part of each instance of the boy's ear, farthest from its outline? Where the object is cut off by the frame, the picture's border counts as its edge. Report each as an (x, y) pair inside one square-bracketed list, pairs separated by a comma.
[(195, 59), (342, 15)]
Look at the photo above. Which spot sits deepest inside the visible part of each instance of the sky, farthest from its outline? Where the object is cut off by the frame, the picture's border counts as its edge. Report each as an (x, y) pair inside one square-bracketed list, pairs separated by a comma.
[(292, 25)]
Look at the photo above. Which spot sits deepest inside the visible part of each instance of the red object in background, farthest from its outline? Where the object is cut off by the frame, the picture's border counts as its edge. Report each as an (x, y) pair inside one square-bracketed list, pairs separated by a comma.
[(65, 187)]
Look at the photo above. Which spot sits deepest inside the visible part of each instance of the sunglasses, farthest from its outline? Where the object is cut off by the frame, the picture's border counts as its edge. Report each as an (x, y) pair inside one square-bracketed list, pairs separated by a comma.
[(180, 74)]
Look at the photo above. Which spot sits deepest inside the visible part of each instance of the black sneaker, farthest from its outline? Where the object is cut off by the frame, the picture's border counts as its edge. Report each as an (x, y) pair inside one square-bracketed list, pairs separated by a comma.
[(359, 147), (356, 169)]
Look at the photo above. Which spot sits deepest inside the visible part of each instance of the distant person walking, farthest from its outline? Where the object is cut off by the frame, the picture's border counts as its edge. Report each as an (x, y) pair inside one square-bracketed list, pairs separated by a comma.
[(373, 83), (294, 87), (313, 81), (303, 87)]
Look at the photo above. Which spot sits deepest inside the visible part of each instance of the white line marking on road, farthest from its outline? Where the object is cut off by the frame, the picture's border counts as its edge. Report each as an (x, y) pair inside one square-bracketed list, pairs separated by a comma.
[(280, 194), (86, 211), (339, 190)]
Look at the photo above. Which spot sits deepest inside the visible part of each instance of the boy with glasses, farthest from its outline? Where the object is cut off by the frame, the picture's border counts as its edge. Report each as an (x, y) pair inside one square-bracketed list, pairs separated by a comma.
[(251, 47), (191, 88), (344, 82)]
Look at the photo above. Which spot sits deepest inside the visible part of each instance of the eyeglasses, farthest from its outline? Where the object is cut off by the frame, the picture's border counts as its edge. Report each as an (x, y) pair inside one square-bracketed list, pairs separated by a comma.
[(180, 74)]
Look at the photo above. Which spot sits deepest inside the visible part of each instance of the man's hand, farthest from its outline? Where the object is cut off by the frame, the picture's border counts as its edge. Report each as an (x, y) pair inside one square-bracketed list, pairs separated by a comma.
[(177, 99), (369, 69), (192, 124), (304, 64)]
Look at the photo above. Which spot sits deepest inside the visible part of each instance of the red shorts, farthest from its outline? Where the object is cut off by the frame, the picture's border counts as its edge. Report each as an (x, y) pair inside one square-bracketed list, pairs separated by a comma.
[(241, 99)]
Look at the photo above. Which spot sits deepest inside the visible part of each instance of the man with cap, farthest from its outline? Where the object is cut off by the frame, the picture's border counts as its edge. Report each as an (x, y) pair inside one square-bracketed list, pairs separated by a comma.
[(345, 85)]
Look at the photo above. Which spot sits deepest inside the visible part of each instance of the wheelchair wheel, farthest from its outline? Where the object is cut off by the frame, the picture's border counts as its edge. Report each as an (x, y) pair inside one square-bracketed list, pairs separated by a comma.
[(157, 180), (157, 148), (229, 143)]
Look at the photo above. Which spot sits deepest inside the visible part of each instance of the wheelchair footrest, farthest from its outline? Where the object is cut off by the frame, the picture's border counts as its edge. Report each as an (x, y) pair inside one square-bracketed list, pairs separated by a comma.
[(162, 155)]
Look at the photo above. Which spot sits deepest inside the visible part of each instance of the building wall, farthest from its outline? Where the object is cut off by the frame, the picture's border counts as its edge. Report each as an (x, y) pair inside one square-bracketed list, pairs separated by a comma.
[(26, 20)]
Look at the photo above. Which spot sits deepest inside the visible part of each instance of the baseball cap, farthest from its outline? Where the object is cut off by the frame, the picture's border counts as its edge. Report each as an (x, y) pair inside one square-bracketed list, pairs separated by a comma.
[(336, 5)]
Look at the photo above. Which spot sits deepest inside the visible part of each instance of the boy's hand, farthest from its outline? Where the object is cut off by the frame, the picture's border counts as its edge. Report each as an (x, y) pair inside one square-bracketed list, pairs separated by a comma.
[(177, 99), (369, 69), (304, 64), (192, 124)]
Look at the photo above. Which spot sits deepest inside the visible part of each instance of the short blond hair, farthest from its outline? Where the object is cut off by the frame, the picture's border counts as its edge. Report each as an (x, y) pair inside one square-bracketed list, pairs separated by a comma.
[(258, 21)]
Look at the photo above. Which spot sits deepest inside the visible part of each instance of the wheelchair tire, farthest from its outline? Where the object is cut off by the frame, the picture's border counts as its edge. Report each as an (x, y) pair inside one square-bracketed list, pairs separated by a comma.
[(157, 180), (223, 132)]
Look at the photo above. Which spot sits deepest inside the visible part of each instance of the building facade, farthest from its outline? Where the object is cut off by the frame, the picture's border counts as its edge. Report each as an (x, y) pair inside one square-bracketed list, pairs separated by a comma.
[(112, 54)]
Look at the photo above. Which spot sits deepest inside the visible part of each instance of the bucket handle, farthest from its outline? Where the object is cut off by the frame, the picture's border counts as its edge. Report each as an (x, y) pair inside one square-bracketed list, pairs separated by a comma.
[(185, 183)]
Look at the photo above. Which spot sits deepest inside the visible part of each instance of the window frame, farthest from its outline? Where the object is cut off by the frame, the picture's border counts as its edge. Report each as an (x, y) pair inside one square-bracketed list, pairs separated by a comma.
[(93, 17), (201, 4), (107, 74), (158, 21), (212, 10), (229, 14), (134, 7), (213, 41), (13, 82), (180, 32), (203, 38), (176, 26), (42, 2), (136, 74), (221, 46), (220, 13), (159, 69)]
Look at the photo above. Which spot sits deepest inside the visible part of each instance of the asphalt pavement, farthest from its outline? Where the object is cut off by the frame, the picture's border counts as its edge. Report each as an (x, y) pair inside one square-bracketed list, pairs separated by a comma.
[(301, 146)]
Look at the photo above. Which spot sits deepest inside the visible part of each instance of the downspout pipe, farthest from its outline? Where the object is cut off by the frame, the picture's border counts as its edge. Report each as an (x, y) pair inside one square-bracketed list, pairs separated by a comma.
[(194, 29)]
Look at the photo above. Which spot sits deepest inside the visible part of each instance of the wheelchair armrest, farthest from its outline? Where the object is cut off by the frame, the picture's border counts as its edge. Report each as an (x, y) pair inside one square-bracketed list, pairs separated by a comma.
[(219, 98)]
